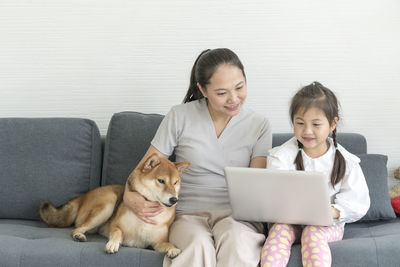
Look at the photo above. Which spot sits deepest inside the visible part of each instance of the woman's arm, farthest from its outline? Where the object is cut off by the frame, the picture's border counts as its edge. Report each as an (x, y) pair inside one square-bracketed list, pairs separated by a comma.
[(258, 162), (137, 203)]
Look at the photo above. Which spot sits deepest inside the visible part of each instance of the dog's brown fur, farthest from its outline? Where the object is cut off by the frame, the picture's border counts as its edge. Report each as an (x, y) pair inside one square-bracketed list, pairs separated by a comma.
[(102, 209)]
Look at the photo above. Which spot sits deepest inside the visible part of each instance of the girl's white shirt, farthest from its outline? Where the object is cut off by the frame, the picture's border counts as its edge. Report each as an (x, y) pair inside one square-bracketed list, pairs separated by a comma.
[(350, 196)]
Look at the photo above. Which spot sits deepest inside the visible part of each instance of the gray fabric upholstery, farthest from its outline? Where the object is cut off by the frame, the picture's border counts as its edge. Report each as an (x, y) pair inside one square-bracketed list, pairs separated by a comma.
[(57, 159), (375, 172), (46, 158), (128, 138), (364, 244), (30, 243)]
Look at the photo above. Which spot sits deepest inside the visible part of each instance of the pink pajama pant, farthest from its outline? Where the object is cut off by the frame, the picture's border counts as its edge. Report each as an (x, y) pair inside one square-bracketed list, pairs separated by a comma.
[(314, 244)]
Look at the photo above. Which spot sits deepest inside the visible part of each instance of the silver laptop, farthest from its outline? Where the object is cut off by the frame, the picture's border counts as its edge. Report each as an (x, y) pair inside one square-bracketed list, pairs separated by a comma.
[(278, 196)]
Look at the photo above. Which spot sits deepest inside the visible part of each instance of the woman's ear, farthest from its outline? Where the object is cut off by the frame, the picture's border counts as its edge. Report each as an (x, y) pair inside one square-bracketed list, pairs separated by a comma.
[(334, 123), (202, 90)]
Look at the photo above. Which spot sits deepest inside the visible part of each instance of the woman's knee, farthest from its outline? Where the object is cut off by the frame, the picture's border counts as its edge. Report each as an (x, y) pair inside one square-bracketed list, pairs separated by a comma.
[(192, 239), (237, 236), (186, 232), (231, 230)]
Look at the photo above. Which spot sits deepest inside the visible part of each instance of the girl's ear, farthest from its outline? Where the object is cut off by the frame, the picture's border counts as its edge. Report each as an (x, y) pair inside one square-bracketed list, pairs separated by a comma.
[(334, 123), (202, 90)]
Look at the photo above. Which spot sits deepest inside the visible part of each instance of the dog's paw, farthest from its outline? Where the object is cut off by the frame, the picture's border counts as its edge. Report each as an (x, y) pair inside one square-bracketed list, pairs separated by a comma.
[(173, 252), (112, 247), (79, 237)]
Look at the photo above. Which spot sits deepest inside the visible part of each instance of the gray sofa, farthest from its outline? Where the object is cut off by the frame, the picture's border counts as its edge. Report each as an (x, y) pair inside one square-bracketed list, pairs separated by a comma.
[(60, 158)]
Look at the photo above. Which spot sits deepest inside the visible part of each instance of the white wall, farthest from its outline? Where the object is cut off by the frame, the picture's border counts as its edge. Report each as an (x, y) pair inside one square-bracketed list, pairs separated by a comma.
[(92, 58)]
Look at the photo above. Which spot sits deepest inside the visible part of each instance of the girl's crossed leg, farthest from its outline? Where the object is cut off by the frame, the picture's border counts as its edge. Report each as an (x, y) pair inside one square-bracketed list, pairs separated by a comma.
[(276, 249), (314, 239), (315, 250)]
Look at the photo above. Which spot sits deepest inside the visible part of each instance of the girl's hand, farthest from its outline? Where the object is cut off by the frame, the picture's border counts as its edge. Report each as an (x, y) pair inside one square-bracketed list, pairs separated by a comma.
[(335, 213), (141, 207)]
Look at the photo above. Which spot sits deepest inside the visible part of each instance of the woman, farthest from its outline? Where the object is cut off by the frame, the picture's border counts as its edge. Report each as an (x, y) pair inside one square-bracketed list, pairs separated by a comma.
[(212, 130)]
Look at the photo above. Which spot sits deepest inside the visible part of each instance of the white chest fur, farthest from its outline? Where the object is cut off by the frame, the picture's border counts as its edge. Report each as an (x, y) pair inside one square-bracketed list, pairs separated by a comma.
[(137, 233)]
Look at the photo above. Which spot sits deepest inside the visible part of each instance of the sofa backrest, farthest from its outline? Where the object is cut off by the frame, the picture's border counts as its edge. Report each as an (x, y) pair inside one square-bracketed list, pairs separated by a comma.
[(46, 158), (57, 159), (128, 137), (130, 133)]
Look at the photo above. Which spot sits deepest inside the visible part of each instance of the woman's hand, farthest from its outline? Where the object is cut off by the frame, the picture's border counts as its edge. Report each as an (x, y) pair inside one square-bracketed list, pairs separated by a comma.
[(137, 203), (141, 207)]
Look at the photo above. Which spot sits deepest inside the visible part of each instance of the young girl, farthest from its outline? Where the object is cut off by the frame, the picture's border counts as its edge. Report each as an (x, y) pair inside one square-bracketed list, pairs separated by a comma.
[(314, 114)]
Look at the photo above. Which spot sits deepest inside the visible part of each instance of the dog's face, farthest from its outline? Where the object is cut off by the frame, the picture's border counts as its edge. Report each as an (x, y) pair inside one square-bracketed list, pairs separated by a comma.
[(158, 179)]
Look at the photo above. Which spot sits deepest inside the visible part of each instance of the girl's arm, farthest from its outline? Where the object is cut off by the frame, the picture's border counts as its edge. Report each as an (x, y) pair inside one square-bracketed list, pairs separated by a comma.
[(335, 213), (274, 162), (137, 203), (352, 200)]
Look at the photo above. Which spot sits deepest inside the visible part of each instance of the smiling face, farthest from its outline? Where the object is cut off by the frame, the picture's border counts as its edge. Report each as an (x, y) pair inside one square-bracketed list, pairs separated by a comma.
[(312, 128), (226, 91)]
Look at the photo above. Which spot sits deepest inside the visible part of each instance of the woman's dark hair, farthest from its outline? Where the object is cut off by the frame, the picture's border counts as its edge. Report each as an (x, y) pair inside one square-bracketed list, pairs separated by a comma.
[(205, 66), (316, 95)]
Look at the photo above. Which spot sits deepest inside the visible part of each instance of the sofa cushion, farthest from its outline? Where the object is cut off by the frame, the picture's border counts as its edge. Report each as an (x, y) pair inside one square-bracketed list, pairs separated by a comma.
[(375, 172), (30, 243), (128, 138), (366, 244), (46, 158)]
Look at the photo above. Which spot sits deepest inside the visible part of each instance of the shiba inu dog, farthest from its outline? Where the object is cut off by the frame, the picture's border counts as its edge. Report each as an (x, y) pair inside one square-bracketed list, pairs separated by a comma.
[(102, 209)]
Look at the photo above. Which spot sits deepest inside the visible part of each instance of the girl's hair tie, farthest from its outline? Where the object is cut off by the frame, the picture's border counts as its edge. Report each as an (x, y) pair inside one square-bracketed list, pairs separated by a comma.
[(300, 149), (337, 148)]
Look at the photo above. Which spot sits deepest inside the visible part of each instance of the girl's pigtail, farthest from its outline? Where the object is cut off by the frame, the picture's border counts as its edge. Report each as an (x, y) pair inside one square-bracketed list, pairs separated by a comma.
[(339, 164), (299, 158), (193, 92)]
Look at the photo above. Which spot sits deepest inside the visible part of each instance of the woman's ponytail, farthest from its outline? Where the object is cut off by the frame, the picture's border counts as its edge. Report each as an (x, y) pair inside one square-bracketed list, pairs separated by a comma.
[(193, 92)]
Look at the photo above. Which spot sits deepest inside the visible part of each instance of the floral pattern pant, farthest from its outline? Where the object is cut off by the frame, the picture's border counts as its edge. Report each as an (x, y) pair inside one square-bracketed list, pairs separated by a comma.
[(314, 244)]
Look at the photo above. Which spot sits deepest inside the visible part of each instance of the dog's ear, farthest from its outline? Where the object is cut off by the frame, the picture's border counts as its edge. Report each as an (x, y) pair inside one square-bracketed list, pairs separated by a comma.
[(182, 166), (151, 162)]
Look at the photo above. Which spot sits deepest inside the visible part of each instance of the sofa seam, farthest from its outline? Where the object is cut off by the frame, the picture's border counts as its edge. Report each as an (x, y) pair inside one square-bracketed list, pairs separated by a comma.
[(104, 173), (80, 255), (376, 252), (376, 247), (92, 173), (20, 256), (91, 162), (140, 257)]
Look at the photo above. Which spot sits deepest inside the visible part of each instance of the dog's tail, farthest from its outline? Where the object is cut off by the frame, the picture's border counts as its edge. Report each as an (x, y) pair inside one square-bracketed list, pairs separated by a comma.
[(63, 216)]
